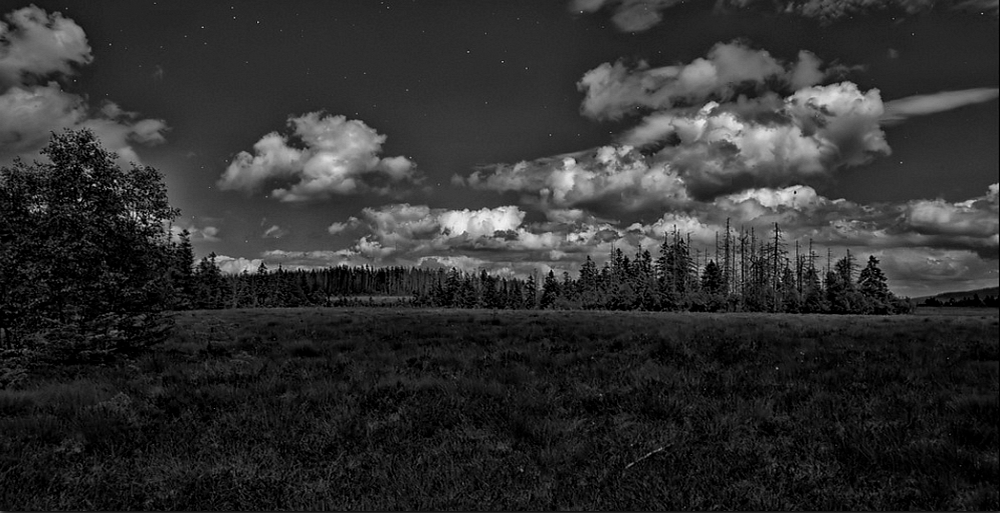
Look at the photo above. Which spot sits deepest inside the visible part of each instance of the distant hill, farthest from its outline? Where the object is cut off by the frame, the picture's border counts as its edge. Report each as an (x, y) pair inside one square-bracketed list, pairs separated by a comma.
[(964, 294)]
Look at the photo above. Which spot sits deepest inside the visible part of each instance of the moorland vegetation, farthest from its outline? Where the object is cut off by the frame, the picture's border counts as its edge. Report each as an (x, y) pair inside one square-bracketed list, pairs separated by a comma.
[(445, 409)]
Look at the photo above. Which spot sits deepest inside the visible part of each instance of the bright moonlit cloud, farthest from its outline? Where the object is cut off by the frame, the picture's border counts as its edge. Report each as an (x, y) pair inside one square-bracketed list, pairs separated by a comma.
[(36, 49), (337, 157)]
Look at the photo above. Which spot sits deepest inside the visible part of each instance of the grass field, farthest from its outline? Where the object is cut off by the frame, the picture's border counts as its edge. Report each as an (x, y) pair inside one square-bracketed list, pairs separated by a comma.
[(416, 409)]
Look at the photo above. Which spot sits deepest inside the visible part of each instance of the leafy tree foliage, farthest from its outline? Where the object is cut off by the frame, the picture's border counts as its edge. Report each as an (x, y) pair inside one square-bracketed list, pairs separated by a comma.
[(84, 250)]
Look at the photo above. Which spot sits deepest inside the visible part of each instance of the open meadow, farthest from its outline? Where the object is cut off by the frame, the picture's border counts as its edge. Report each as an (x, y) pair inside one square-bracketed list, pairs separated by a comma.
[(382, 409)]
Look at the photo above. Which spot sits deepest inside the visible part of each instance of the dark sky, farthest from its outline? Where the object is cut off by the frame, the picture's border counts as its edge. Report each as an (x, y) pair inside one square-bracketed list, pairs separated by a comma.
[(463, 91)]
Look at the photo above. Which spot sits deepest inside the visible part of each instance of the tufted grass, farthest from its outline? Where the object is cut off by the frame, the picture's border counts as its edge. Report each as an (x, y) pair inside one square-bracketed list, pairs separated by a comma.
[(317, 409)]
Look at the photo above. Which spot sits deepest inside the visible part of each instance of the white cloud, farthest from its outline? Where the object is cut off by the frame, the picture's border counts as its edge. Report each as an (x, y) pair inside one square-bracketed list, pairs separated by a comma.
[(480, 223), (404, 226), (337, 227), (715, 151), (613, 90), (610, 175), (338, 157), (236, 265), (35, 46), (405, 234), (35, 43), (814, 132), (973, 224)]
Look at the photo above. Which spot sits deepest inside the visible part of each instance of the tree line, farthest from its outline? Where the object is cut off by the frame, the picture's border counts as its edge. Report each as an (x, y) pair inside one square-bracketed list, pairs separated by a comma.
[(88, 263), (974, 301), (762, 280)]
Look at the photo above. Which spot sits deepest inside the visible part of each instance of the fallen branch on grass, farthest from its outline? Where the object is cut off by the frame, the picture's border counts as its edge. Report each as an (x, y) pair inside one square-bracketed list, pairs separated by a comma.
[(648, 454)]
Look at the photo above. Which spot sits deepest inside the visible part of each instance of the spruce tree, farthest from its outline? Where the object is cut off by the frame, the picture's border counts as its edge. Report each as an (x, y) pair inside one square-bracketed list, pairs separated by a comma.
[(872, 284), (531, 293), (550, 291)]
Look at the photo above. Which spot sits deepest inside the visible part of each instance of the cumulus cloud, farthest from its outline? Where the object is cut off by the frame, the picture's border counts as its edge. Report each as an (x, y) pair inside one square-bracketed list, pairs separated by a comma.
[(338, 227), (817, 130), (753, 152), (35, 44), (499, 238), (899, 110), (237, 265), (617, 176), (641, 15), (405, 225), (700, 155), (36, 51), (613, 90), (334, 157), (973, 224)]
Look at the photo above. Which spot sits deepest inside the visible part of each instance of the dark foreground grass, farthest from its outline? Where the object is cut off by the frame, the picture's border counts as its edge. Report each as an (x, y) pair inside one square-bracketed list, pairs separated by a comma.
[(471, 410)]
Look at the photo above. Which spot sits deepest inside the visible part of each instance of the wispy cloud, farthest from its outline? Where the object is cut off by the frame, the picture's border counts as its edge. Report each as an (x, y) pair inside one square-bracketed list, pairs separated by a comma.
[(899, 110), (274, 232), (641, 15)]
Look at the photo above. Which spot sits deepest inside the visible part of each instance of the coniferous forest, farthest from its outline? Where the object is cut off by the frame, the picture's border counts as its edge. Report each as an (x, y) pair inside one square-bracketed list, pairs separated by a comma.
[(751, 275)]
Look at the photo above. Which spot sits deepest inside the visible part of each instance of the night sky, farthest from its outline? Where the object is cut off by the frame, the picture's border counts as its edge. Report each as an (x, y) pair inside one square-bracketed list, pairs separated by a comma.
[(525, 135)]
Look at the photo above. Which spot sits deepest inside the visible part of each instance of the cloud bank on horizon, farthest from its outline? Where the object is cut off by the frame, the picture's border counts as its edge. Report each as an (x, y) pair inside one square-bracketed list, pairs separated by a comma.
[(918, 240), (37, 51)]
